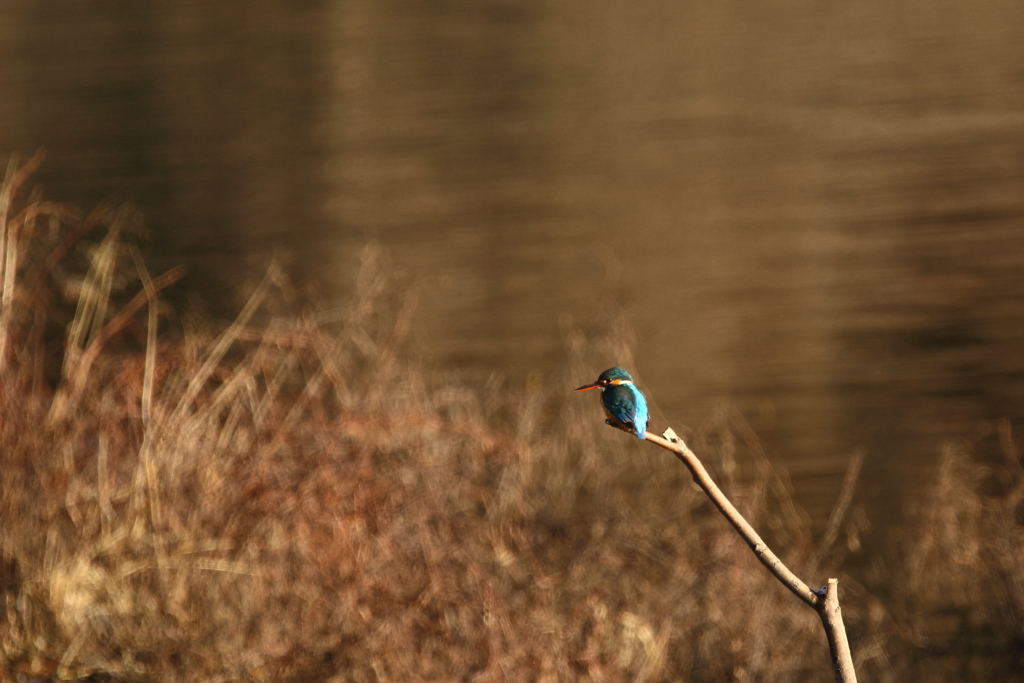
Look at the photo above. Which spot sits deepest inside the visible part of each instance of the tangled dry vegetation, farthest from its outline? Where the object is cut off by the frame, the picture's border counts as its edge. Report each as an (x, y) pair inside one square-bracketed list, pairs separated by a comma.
[(292, 502)]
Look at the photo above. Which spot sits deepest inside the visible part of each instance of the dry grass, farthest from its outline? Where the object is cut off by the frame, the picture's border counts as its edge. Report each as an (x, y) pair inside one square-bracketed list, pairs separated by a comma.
[(962, 594), (293, 502)]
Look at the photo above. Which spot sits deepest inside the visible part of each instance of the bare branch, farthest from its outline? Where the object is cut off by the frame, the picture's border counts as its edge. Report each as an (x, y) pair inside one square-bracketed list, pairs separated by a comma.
[(760, 548), (825, 601)]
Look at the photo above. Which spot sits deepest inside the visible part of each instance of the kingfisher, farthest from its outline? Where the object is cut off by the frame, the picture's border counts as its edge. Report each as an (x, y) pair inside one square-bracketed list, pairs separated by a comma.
[(623, 403)]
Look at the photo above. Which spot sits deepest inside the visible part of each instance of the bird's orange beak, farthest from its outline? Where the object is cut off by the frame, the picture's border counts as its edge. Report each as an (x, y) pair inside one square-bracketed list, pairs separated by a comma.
[(595, 385)]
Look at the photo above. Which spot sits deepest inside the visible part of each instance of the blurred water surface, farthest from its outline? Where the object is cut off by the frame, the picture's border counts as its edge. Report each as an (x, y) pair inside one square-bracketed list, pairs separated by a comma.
[(814, 212)]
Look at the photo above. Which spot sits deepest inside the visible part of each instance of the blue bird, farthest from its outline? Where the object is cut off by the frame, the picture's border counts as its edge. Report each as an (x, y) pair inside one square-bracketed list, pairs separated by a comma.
[(623, 403)]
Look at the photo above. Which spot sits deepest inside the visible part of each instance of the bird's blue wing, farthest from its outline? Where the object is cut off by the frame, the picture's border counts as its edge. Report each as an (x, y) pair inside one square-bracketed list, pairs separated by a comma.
[(640, 415), (618, 404), (626, 405)]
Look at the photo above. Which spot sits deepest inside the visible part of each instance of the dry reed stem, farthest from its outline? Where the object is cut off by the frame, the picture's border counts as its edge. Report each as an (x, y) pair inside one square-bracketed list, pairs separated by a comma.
[(77, 371), (839, 510), (151, 331)]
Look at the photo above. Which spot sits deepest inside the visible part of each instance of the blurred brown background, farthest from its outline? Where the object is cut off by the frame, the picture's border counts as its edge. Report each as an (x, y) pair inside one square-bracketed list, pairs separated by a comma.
[(813, 212)]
